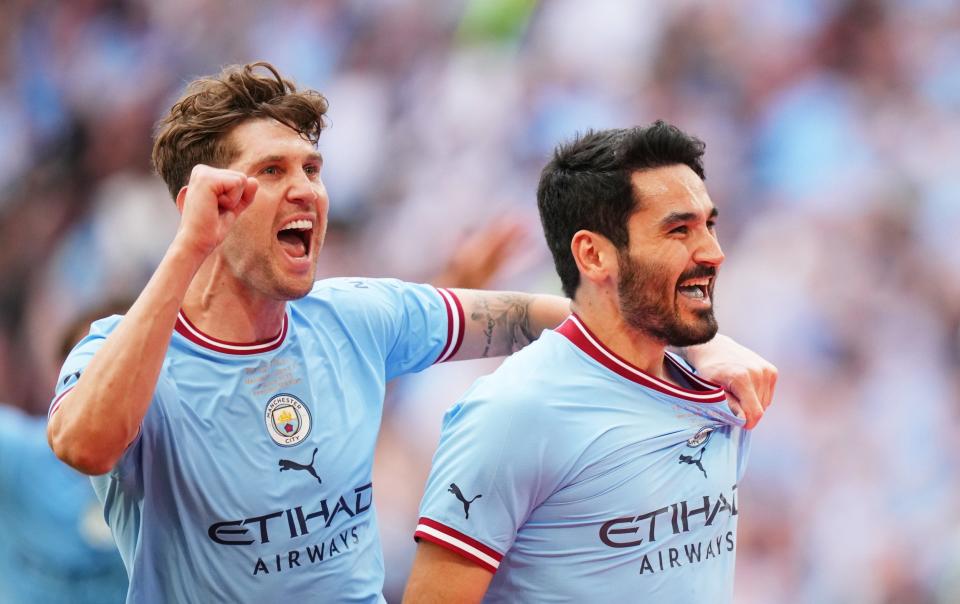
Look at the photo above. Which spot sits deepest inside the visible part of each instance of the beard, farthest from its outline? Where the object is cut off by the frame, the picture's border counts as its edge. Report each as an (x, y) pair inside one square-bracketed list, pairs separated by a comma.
[(645, 303)]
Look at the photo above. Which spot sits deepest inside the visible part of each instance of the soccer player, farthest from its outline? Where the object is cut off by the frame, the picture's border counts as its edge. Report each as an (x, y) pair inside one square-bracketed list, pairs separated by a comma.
[(594, 465), (229, 418)]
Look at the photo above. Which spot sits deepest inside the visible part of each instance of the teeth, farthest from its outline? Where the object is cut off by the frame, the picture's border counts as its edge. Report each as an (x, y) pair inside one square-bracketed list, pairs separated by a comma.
[(693, 291), (299, 225)]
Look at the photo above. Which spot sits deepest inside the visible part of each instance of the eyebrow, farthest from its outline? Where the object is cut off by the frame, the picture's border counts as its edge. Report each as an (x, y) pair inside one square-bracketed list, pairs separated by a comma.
[(313, 156), (678, 217)]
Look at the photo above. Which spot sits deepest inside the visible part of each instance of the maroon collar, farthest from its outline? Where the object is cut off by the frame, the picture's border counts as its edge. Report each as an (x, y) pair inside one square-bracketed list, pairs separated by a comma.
[(577, 332), (190, 331)]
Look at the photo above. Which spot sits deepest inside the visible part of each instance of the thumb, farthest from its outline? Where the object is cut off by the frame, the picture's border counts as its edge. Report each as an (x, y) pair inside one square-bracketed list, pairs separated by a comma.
[(250, 188)]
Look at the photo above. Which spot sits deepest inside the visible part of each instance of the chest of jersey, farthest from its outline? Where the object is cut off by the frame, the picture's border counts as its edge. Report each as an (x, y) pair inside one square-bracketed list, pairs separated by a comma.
[(265, 462), (649, 495)]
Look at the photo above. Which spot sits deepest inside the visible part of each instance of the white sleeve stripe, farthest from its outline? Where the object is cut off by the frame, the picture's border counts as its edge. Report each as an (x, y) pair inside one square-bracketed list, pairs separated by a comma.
[(58, 400), (457, 543), (454, 317)]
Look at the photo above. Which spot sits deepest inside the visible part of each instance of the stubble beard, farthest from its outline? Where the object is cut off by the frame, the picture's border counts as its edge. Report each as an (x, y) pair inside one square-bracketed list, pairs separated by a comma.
[(262, 272), (645, 304)]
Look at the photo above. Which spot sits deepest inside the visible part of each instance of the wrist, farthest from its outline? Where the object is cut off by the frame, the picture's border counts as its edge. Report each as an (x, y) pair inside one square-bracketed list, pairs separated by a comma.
[(187, 254), (694, 354)]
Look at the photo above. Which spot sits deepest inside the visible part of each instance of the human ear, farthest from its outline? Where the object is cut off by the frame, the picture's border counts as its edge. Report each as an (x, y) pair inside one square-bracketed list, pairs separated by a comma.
[(181, 196), (595, 255)]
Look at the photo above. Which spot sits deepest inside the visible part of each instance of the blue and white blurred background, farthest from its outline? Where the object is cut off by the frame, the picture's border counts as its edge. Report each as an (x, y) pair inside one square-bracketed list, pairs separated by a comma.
[(833, 153)]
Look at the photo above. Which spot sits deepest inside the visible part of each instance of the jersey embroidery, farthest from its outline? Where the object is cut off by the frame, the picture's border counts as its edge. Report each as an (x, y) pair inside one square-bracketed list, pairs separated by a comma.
[(288, 420)]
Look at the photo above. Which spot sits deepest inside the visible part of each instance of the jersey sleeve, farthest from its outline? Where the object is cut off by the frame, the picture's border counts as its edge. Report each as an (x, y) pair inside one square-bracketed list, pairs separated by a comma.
[(413, 325), (73, 368), (490, 471), (78, 359)]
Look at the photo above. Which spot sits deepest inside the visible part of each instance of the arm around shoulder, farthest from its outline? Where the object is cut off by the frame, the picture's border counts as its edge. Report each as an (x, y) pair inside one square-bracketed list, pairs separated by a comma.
[(500, 323), (746, 376)]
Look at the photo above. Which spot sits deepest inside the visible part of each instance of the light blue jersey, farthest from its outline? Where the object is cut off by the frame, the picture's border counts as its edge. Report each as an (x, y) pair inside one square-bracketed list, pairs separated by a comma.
[(576, 477), (55, 547), (250, 480)]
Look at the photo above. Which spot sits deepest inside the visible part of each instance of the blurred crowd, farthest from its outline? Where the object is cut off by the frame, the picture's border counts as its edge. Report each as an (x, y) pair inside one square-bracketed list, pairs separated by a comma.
[(833, 137)]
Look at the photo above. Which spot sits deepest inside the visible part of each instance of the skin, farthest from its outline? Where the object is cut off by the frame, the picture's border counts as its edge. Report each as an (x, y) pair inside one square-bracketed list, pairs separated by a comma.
[(230, 274), (249, 264), (672, 237), (228, 271)]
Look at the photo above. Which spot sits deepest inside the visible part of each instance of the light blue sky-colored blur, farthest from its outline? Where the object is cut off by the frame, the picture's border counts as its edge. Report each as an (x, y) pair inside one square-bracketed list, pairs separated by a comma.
[(833, 142)]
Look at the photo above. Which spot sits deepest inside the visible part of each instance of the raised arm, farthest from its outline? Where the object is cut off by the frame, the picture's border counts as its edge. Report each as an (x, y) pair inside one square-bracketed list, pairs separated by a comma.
[(121, 377)]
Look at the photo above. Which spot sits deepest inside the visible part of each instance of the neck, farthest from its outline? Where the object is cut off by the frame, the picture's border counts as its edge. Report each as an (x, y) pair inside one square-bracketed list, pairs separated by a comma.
[(223, 307), (601, 314)]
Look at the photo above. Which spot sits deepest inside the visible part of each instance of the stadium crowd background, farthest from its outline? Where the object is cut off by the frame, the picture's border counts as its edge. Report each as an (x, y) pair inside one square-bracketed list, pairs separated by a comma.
[(833, 148)]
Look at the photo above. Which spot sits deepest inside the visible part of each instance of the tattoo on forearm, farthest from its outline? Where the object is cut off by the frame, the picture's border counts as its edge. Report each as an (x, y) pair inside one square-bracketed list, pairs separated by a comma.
[(506, 322)]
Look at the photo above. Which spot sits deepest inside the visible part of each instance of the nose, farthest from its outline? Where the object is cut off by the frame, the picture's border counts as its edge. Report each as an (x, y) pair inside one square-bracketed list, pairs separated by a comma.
[(709, 251), (305, 191)]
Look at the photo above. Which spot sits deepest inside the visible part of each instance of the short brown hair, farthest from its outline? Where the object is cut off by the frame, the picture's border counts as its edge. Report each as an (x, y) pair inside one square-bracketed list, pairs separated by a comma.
[(195, 131)]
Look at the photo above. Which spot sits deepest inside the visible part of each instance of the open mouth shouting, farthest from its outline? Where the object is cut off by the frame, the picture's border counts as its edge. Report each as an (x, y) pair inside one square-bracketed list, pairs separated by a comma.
[(296, 238)]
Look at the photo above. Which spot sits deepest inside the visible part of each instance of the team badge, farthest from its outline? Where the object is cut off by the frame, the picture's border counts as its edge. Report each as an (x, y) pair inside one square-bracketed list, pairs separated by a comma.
[(287, 419), (700, 437)]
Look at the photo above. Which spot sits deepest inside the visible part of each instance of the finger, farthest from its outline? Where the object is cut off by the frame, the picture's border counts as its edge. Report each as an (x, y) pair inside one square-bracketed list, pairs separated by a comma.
[(735, 406), (764, 383), (749, 403), (761, 388), (228, 187), (752, 409), (250, 187), (772, 375)]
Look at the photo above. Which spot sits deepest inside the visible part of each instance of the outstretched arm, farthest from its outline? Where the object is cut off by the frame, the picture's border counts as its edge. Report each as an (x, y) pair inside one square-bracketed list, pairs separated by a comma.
[(440, 576), (500, 323)]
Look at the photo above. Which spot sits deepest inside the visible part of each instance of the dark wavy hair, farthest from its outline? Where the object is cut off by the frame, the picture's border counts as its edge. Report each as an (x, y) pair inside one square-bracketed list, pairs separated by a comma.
[(586, 185), (197, 127)]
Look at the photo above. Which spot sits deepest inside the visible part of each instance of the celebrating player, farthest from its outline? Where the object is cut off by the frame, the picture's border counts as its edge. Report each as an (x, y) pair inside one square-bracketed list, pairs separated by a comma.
[(594, 463), (229, 418)]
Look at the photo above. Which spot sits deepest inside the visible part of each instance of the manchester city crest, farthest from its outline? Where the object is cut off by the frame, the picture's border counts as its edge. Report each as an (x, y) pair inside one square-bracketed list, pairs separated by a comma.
[(700, 437), (287, 419)]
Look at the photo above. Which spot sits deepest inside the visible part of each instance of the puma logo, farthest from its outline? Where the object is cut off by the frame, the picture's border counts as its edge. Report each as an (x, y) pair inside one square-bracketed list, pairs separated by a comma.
[(75, 374), (286, 464), (459, 495), (690, 460)]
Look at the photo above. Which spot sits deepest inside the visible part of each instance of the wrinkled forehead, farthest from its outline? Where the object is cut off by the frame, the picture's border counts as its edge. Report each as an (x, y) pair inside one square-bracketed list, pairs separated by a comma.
[(260, 137)]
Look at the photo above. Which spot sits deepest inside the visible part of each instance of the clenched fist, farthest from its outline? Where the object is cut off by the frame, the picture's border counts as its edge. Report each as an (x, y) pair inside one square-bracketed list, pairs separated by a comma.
[(210, 204)]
